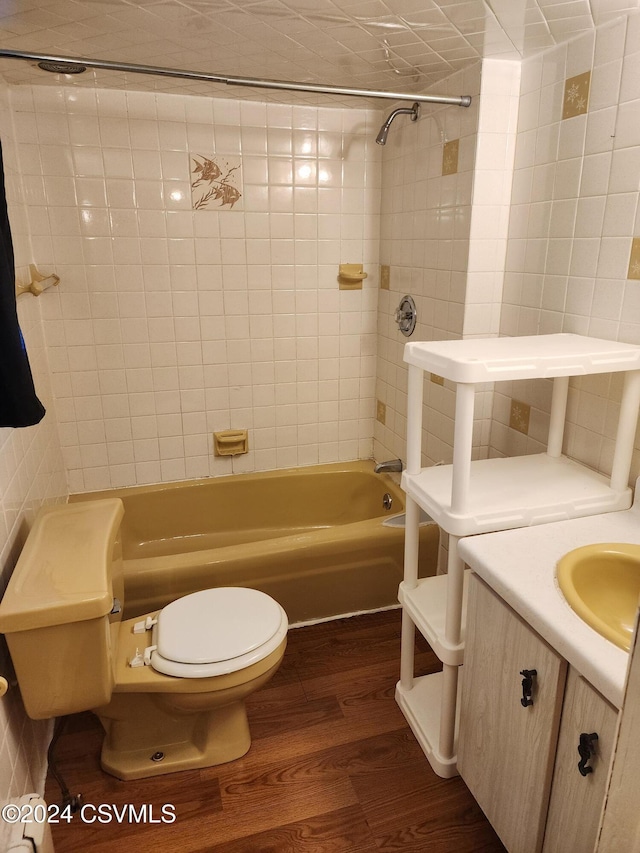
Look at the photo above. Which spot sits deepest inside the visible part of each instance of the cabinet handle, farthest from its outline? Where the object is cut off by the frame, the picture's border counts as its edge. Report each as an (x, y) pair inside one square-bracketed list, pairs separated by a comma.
[(586, 751), (527, 686)]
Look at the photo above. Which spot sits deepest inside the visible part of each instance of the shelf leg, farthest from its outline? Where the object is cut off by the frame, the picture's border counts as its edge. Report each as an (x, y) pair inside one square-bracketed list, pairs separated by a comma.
[(448, 712), (452, 633), (462, 446), (455, 582), (626, 431), (407, 655), (558, 415), (415, 394), (411, 543)]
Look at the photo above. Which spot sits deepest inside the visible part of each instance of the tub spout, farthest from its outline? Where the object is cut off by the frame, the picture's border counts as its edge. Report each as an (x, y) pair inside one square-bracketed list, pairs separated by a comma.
[(389, 466)]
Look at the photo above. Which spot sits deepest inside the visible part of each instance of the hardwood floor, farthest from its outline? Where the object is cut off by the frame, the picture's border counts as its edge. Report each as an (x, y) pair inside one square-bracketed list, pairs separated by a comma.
[(333, 767)]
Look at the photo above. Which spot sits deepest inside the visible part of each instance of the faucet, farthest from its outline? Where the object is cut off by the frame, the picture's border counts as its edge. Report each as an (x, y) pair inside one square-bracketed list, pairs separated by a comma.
[(389, 465)]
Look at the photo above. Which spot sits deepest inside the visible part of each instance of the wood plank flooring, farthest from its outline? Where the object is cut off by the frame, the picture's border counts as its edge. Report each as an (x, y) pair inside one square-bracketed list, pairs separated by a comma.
[(333, 767)]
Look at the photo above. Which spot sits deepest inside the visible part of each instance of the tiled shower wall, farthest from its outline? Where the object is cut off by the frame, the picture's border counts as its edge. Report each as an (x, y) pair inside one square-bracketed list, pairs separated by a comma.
[(434, 237), (425, 241), (31, 474), (574, 213), (170, 322), (572, 218)]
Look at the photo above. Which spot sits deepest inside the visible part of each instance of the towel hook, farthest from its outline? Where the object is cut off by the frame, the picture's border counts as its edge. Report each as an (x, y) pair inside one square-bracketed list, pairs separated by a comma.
[(35, 286)]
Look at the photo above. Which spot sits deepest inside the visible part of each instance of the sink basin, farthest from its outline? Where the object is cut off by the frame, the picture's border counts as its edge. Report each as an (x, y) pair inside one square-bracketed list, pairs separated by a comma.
[(601, 583)]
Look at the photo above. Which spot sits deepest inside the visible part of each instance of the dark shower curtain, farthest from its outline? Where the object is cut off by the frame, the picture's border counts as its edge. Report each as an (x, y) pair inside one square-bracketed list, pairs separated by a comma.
[(19, 405)]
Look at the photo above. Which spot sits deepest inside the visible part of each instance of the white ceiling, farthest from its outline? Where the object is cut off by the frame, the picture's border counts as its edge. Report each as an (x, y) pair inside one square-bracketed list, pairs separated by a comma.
[(389, 45)]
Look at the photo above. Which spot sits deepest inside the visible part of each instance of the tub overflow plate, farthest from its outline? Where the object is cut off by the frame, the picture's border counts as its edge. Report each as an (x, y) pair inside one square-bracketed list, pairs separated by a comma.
[(406, 315)]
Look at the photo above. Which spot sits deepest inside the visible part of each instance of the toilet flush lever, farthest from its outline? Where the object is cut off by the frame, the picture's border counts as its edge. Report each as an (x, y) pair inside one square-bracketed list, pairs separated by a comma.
[(145, 625)]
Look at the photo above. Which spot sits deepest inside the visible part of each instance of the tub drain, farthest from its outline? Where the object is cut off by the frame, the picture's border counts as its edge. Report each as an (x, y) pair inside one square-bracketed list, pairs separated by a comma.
[(157, 756)]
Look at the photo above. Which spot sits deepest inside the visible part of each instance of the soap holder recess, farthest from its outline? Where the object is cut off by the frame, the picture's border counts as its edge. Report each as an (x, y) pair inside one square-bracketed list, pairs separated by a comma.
[(230, 442)]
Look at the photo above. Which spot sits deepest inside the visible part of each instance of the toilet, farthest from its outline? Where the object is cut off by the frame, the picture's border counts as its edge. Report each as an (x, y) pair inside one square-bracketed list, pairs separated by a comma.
[(168, 687)]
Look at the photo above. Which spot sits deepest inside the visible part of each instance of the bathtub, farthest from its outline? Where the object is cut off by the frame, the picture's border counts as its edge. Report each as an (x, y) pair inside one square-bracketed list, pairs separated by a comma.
[(313, 538)]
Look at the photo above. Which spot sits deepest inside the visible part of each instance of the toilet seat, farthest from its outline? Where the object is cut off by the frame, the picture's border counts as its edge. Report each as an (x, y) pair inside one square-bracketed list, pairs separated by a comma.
[(216, 631)]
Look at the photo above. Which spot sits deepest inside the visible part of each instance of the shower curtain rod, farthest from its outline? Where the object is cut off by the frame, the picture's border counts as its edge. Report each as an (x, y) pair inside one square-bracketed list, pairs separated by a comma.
[(257, 82)]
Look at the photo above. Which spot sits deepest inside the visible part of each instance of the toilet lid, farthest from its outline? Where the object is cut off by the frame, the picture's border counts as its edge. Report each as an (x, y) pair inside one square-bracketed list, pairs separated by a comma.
[(216, 625)]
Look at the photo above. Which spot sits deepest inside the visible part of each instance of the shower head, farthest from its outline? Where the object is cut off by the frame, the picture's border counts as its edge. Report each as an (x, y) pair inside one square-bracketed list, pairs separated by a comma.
[(56, 67), (414, 112)]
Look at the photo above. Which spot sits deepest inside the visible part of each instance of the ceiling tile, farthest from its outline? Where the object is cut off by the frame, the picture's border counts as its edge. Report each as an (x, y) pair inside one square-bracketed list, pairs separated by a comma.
[(387, 45)]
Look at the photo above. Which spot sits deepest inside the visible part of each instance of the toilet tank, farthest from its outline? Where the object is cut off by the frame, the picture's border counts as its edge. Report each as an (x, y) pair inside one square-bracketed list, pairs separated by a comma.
[(58, 611)]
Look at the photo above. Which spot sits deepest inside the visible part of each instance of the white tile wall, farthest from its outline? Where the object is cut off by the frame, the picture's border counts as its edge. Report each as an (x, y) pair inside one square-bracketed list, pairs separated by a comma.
[(573, 215), (172, 323), (445, 239), (492, 184), (488, 231), (31, 473), (573, 212)]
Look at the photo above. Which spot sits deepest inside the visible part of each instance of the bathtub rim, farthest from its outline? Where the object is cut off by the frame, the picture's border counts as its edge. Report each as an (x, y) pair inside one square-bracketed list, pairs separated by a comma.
[(365, 466)]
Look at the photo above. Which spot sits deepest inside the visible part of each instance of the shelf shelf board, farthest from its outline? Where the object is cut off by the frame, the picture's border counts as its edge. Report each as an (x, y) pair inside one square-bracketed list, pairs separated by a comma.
[(426, 604), (520, 491), (527, 357), (421, 708), (501, 493)]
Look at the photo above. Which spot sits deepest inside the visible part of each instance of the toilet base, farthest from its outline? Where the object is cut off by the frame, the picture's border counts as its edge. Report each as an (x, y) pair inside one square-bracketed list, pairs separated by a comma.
[(167, 743), (191, 722)]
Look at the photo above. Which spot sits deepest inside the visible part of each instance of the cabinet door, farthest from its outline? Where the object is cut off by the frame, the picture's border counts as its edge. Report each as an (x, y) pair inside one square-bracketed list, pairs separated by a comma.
[(505, 749), (576, 800), (621, 826)]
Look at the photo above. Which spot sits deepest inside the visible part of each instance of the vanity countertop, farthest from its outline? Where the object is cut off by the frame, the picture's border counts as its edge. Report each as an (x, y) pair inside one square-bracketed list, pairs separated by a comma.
[(519, 565)]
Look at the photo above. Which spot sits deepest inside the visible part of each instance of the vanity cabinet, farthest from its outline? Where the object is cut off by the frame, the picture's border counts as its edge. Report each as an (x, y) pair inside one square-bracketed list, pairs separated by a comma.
[(576, 800), (523, 711), (508, 732)]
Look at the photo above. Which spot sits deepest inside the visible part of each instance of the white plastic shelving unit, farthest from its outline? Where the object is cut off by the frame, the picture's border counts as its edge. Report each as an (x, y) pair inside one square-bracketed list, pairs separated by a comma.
[(470, 497)]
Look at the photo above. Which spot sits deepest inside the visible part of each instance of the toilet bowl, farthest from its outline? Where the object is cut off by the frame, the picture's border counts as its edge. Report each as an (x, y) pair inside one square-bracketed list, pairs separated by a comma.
[(170, 687)]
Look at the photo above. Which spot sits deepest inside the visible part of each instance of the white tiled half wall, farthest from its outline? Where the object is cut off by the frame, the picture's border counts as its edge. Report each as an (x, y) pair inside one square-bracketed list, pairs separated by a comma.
[(171, 323), (31, 474)]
